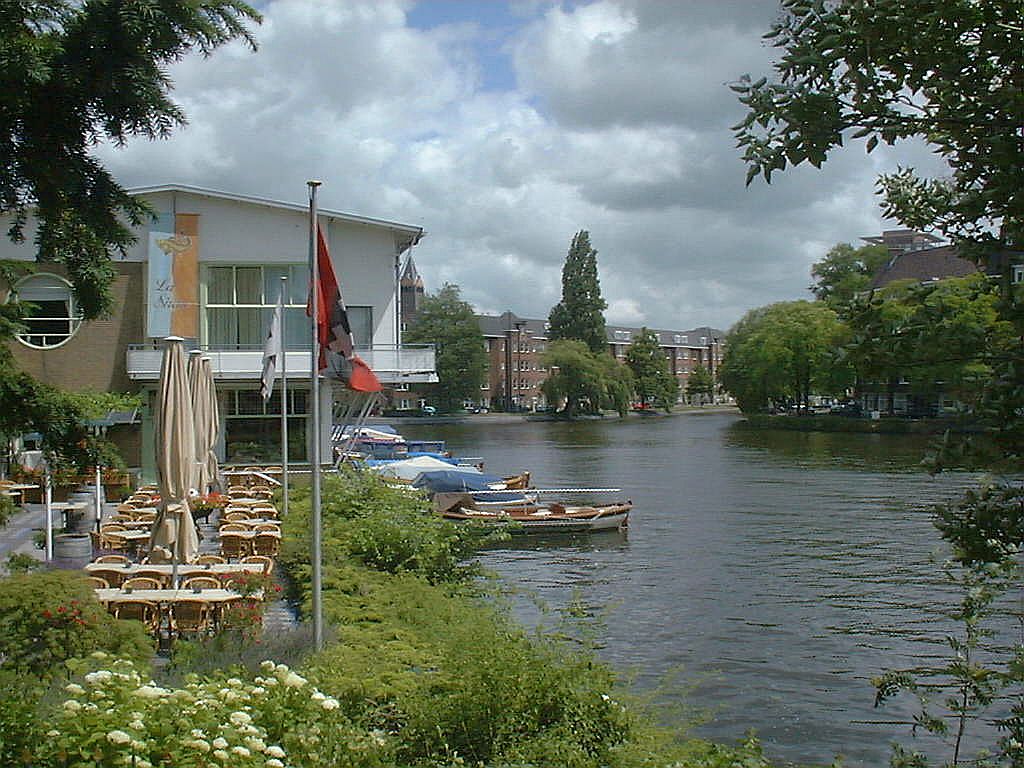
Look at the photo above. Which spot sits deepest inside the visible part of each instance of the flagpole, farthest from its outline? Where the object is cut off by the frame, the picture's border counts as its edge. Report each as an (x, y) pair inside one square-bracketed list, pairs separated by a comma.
[(284, 403), (314, 271)]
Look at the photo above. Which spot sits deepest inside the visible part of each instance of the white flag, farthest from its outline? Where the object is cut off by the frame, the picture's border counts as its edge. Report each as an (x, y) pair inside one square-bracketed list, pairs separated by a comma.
[(272, 352)]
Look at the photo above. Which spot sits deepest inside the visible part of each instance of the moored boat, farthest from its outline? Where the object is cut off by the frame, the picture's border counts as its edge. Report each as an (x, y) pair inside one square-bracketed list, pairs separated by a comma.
[(544, 518)]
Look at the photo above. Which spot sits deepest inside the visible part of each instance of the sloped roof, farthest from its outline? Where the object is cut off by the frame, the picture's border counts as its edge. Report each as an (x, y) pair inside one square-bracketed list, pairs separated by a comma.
[(924, 266)]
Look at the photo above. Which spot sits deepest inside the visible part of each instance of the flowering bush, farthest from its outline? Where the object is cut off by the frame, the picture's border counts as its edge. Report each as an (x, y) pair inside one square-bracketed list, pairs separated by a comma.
[(48, 617), (205, 505), (114, 716)]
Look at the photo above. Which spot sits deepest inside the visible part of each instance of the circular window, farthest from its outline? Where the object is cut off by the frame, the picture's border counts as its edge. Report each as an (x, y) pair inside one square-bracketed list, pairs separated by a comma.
[(53, 316)]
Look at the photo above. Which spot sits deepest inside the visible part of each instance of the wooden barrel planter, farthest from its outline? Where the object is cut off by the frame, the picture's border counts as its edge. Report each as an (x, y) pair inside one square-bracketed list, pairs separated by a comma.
[(72, 547)]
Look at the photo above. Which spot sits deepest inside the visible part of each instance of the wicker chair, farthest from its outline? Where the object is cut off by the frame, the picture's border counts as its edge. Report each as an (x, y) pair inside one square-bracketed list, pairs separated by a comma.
[(154, 574), (266, 562), (96, 582), (142, 582), (119, 559), (210, 560), (111, 576), (139, 610), (233, 546), (111, 541), (268, 528), (191, 617), (267, 544), (236, 516), (201, 582), (236, 527)]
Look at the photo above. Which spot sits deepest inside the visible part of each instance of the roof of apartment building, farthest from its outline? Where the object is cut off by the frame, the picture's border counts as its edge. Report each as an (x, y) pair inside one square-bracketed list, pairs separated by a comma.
[(924, 266), (499, 325)]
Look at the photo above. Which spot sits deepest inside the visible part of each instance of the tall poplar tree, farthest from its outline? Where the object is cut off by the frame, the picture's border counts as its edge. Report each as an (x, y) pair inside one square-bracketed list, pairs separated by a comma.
[(580, 313)]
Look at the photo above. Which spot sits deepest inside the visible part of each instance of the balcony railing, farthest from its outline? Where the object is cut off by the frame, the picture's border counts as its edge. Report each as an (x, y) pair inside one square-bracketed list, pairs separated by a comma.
[(393, 364)]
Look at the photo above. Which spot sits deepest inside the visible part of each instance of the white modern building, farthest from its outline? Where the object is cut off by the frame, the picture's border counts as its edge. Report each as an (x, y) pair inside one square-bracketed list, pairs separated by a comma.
[(209, 268)]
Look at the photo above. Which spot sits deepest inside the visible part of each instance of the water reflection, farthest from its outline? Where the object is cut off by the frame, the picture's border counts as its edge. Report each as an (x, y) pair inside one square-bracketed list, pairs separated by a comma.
[(778, 570)]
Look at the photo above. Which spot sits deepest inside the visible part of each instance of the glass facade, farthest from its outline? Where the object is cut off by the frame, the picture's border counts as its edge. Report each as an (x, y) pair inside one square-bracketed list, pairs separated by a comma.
[(240, 301), (253, 428)]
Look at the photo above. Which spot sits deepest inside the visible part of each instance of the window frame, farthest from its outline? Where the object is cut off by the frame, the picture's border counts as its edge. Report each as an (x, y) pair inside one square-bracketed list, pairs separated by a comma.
[(74, 318)]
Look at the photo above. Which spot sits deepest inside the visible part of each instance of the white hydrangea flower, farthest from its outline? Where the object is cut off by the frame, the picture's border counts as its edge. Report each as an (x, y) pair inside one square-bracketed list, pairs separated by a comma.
[(255, 744), (201, 744), (270, 682), (220, 743), (293, 680), (267, 665), (329, 704), (240, 718), (151, 692), (143, 764), (72, 706), (274, 763), (137, 725), (275, 751), (98, 655), (378, 737), (221, 755), (257, 691), (118, 737), (317, 696), (99, 676), (197, 733), (241, 751), (281, 669), (74, 689), (53, 734)]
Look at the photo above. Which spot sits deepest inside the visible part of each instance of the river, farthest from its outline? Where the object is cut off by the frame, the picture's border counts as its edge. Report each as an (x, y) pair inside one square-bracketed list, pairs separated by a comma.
[(765, 576)]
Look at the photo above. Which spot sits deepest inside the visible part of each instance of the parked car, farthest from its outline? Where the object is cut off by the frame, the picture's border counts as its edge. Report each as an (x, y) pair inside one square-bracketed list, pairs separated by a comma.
[(850, 408)]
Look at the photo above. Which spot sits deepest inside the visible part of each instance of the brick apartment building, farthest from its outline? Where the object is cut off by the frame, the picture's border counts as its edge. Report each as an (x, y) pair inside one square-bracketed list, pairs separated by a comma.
[(515, 347)]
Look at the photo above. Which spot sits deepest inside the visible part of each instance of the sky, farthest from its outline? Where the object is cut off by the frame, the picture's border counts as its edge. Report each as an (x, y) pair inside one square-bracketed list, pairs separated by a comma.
[(503, 128)]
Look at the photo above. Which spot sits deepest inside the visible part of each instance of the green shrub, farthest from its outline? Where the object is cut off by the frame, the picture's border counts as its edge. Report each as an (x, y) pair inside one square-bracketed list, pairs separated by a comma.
[(48, 617), (7, 509), (383, 528)]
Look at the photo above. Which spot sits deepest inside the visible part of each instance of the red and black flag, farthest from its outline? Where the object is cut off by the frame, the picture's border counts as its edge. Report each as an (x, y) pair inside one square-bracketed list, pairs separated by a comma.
[(334, 334)]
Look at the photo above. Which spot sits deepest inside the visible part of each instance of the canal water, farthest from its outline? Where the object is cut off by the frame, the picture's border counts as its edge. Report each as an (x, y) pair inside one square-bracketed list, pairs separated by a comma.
[(765, 576)]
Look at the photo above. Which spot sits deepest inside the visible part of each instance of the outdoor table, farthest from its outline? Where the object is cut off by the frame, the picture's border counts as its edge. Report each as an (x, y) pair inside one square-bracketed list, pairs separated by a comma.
[(20, 486), (67, 509), (185, 570), (252, 534), (168, 597), (253, 521)]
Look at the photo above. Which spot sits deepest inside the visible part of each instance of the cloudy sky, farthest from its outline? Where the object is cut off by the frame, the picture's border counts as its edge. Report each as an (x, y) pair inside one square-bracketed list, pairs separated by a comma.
[(503, 128)]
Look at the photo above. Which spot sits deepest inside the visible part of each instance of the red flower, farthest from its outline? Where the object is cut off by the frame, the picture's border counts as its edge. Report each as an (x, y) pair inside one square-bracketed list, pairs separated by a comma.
[(47, 614)]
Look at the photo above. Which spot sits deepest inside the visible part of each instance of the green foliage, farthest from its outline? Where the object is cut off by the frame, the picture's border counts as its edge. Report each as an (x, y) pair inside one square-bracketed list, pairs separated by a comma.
[(885, 71), (586, 381), (580, 313), (49, 617), (102, 67), (700, 383), (381, 528), (448, 322), (782, 353), (7, 509), (948, 331), (846, 272), (19, 562), (20, 719), (652, 380)]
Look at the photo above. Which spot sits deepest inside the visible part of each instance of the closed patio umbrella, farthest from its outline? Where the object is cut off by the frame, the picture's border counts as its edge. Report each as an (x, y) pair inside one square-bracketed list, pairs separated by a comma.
[(207, 420), (175, 458)]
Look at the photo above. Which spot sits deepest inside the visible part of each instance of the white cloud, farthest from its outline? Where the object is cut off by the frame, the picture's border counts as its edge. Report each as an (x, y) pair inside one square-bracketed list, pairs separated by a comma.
[(619, 126)]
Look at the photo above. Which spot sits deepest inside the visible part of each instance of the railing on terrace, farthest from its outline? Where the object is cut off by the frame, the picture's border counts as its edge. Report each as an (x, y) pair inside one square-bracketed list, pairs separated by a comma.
[(393, 364)]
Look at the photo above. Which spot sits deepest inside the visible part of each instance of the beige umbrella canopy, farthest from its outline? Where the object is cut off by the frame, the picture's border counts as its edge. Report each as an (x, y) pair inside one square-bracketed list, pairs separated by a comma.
[(175, 457), (207, 420)]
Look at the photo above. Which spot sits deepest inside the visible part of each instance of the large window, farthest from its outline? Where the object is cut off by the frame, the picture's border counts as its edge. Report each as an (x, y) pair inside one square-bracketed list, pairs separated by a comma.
[(53, 317), (240, 301), (253, 429)]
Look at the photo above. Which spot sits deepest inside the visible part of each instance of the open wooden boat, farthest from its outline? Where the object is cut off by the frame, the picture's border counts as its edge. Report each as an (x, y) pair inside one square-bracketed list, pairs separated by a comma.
[(530, 517)]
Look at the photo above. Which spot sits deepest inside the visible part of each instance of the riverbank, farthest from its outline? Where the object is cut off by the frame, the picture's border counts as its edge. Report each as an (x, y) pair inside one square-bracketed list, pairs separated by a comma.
[(513, 418), (831, 423)]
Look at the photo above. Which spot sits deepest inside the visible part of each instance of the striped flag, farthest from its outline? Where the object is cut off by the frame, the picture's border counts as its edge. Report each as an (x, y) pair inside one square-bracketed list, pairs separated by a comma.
[(334, 334)]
